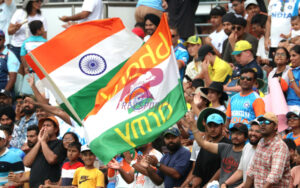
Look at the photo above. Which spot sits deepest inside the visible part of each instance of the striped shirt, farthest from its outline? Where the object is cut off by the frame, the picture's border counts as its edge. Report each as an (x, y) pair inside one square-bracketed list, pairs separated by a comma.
[(243, 109), (68, 171), (9, 162), (271, 163)]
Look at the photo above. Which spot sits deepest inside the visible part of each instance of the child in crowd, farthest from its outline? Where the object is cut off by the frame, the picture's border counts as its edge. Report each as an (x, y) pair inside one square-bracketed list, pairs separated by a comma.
[(88, 176), (295, 178), (295, 32), (37, 29), (68, 168)]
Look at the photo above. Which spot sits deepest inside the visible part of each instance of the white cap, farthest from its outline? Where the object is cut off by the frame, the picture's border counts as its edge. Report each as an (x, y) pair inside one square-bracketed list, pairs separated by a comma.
[(2, 134), (85, 148), (249, 2)]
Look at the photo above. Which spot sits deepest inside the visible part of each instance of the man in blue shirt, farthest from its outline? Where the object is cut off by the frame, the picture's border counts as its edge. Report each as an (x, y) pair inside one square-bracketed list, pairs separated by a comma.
[(182, 56), (173, 167), (9, 66)]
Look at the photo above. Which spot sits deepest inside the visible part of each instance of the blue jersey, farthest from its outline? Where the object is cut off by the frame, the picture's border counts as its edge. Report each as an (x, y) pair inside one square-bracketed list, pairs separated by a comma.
[(242, 109), (182, 55)]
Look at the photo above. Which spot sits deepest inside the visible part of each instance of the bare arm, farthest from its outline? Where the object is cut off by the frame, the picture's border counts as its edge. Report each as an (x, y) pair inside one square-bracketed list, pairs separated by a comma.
[(30, 157), (237, 175), (12, 76), (79, 16), (50, 156), (127, 176), (189, 177), (249, 182), (155, 178), (13, 28), (293, 83), (267, 34)]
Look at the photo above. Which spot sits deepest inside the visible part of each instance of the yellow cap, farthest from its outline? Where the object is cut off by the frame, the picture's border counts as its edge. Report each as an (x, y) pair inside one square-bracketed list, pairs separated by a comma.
[(193, 40), (241, 46)]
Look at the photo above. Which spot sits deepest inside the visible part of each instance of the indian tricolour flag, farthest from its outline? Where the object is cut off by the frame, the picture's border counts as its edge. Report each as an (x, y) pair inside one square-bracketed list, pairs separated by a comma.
[(75, 64), (142, 100)]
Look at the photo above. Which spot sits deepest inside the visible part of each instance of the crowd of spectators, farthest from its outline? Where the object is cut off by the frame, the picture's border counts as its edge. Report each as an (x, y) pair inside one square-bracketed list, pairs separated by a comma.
[(232, 135)]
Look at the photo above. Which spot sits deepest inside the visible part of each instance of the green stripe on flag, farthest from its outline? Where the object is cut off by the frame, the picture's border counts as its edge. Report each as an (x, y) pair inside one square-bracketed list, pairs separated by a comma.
[(140, 129), (83, 101)]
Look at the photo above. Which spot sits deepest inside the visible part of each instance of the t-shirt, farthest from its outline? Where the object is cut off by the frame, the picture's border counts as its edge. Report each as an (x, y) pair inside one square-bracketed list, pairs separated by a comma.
[(195, 151), (295, 138), (31, 43), (292, 97), (141, 180), (217, 39), (87, 178), (207, 164), (24, 32), (41, 170), (9, 162), (68, 171), (243, 109), (156, 4), (229, 162), (252, 65), (261, 51), (281, 18), (220, 71), (13, 63), (295, 33), (95, 9), (6, 12), (183, 56), (246, 159), (180, 161), (193, 69)]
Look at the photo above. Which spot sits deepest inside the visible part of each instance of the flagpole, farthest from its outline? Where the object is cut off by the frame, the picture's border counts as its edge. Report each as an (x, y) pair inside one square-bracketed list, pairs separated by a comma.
[(57, 91)]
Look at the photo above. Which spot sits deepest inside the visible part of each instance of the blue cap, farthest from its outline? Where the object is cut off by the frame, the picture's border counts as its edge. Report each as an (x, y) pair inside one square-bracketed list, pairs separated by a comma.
[(215, 118), (2, 34), (174, 131)]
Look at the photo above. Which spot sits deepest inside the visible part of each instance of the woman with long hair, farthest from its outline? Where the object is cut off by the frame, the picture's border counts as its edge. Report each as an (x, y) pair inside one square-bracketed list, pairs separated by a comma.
[(216, 96), (281, 59)]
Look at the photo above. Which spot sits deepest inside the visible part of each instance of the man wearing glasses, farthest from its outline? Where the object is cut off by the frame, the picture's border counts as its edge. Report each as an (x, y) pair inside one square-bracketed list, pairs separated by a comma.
[(246, 105), (270, 166), (293, 121), (238, 33)]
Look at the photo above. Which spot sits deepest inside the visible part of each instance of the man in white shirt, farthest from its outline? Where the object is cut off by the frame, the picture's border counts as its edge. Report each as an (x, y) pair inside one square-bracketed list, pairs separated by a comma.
[(216, 38), (91, 10)]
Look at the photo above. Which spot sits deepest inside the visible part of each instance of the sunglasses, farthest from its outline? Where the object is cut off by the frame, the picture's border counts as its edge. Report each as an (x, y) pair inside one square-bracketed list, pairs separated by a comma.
[(292, 118), (238, 28), (265, 122), (246, 78)]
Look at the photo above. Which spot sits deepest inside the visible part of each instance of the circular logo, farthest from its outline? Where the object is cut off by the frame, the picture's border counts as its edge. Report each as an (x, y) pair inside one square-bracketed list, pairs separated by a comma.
[(92, 64), (138, 98)]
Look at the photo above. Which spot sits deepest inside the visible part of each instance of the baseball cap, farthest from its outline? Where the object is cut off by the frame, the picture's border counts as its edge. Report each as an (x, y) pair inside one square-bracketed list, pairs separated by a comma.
[(203, 51), (241, 46), (249, 2), (193, 40), (173, 131), (139, 32), (203, 116), (254, 122), (294, 112), (85, 148), (269, 116), (5, 93), (2, 134), (215, 118), (239, 127), (51, 118), (2, 34)]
